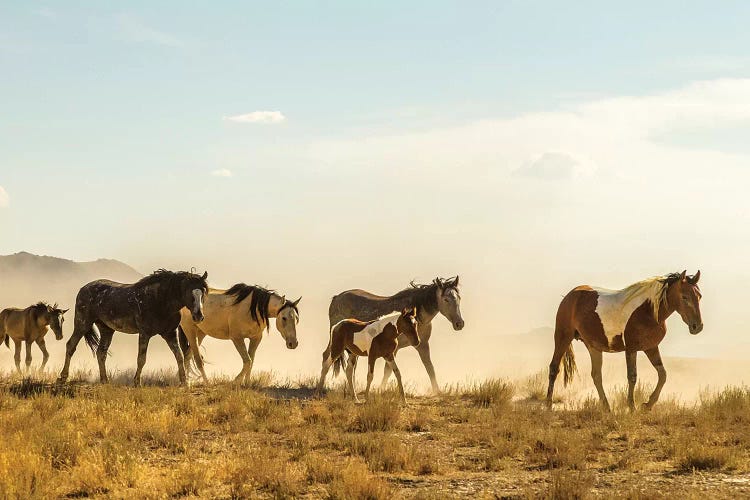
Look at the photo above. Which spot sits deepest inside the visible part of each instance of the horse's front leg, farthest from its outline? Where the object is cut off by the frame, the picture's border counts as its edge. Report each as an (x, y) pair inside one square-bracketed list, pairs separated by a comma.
[(174, 346), (252, 346), (143, 340), (424, 354), (655, 357), (17, 354), (28, 356), (391, 361), (630, 359), (371, 358)]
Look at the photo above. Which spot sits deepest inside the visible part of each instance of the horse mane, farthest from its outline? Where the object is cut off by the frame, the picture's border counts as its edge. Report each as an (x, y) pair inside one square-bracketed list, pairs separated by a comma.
[(654, 289), (42, 306), (423, 295), (261, 297), (163, 275)]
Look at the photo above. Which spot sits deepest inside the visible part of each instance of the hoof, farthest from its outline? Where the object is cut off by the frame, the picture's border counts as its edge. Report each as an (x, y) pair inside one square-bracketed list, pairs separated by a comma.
[(646, 407)]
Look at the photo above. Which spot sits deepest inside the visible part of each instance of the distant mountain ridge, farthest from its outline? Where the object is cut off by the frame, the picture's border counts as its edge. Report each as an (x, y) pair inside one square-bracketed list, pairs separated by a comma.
[(26, 278)]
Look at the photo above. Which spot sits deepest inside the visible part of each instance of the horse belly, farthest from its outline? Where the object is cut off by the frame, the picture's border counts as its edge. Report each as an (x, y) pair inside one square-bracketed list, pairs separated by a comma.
[(363, 339)]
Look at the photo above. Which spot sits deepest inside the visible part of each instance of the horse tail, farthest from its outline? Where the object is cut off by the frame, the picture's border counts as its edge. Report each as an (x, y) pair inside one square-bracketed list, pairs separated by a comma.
[(3, 334), (182, 340), (338, 364), (569, 365), (91, 336)]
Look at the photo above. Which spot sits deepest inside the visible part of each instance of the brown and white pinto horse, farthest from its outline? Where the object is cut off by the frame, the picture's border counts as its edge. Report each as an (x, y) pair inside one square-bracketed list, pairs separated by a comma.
[(632, 319), (374, 339)]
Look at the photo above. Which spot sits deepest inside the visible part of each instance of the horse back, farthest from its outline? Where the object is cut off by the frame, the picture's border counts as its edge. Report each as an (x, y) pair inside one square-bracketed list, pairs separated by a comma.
[(358, 304)]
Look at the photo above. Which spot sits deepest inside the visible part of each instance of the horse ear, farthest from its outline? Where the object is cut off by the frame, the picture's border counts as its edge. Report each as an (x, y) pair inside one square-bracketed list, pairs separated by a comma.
[(66, 310), (696, 277), (296, 302), (205, 275), (683, 275), (455, 282)]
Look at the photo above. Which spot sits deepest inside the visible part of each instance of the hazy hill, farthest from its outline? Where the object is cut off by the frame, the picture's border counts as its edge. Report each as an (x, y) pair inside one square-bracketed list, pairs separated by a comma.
[(26, 278)]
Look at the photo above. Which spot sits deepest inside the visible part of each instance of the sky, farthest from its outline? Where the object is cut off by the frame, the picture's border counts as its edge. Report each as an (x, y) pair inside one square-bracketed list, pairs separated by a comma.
[(320, 146)]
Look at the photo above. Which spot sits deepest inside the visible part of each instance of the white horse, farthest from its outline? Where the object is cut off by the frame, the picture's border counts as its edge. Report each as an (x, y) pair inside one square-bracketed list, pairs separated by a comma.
[(240, 313)]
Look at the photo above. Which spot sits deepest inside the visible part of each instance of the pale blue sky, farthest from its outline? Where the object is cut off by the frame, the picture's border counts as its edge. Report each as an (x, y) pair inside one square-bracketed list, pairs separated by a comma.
[(529, 146)]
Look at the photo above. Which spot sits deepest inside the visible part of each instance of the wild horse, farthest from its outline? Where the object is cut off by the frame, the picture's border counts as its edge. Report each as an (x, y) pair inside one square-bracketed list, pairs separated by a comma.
[(632, 319), (31, 325), (374, 339), (242, 312), (440, 296), (147, 308)]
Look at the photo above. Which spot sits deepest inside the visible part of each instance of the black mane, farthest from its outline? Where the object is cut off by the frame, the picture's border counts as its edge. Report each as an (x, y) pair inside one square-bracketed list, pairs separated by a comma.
[(424, 296), (43, 307), (261, 297)]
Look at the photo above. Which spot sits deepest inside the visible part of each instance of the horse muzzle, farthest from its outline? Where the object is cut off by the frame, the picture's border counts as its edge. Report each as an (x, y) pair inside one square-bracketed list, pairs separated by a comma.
[(198, 317), (458, 325), (695, 328), (292, 344), (58, 337)]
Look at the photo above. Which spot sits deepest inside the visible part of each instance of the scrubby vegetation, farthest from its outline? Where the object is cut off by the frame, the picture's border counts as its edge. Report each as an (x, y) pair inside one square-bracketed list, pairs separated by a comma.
[(488, 439)]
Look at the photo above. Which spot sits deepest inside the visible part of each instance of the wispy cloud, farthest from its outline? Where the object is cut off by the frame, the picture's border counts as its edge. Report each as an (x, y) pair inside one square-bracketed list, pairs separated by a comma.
[(619, 135), (4, 198), (222, 172), (554, 165), (134, 29), (258, 117)]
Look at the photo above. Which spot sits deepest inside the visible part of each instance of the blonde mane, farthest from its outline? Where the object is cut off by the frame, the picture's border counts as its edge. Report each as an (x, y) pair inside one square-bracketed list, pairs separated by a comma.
[(653, 289)]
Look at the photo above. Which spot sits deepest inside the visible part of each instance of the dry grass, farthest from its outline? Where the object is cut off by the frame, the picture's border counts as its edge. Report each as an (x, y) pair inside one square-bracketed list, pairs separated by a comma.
[(221, 441)]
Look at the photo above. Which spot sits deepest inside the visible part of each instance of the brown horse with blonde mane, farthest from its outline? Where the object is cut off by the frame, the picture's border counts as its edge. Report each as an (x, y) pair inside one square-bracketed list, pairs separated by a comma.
[(632, 319)]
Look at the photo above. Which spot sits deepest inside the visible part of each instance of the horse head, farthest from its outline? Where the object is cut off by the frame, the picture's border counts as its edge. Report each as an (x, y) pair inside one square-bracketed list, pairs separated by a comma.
[(407, 325), (55, 319), (684, 295), (286, 322), (194, 289), (449, 301)]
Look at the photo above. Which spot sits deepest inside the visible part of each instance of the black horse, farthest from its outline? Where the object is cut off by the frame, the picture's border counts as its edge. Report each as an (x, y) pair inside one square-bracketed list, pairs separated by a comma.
[(149, 307)]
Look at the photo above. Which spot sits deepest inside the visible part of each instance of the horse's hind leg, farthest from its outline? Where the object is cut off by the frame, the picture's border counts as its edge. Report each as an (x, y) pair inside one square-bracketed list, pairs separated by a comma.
[(17, 354), (563, 338), (143, 340), (351, 370), (327, 363), (45, 355), (81, 327), (102, 350), (596, 376), (174, 346), (239, 344), (655, 357)]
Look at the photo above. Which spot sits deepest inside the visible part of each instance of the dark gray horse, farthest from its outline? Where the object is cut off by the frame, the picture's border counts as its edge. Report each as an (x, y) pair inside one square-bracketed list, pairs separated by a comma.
[(440, 296), (147, 308)]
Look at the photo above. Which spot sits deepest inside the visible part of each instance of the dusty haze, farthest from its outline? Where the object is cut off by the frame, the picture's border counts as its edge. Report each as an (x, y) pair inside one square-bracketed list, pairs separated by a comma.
[(493, 343)]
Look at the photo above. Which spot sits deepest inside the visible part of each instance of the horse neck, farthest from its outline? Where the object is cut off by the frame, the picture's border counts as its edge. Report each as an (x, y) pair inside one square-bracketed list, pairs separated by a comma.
[(666, 309), (408, 298), (274, 305), (165, 294)]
